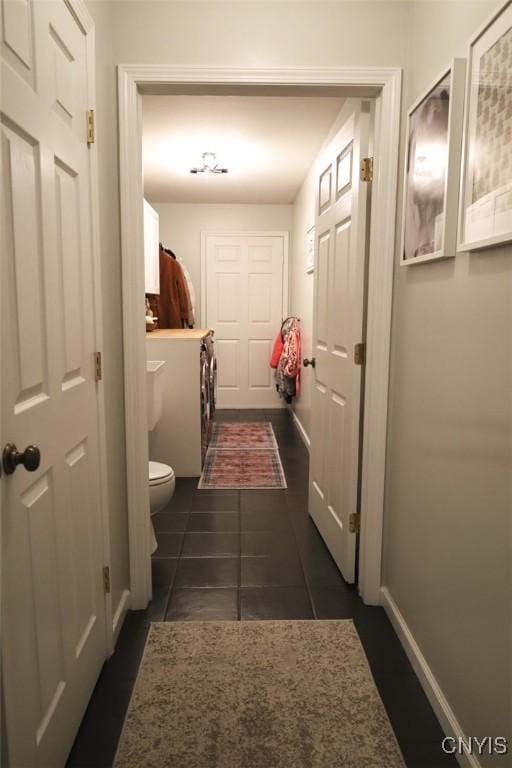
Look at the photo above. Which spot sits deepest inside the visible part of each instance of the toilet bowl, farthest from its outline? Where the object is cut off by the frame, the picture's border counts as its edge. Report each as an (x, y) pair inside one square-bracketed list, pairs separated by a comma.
[(161, 486), (161, 477)]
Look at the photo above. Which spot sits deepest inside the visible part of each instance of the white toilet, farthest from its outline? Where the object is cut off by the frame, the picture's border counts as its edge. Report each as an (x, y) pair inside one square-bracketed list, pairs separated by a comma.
[(161, 477), (161, 486)]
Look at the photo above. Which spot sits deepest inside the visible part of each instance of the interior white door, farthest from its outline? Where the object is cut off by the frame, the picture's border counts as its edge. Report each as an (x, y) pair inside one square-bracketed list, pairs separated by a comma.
[(339, 298), (245, 308), (53, 623)]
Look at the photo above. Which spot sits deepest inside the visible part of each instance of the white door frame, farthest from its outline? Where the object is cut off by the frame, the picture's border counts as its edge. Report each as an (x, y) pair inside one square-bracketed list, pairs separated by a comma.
[(205, 233), (84, 18), (385, 85)]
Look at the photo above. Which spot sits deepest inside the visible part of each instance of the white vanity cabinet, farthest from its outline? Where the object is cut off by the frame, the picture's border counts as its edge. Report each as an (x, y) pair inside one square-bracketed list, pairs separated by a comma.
[(178, 438)]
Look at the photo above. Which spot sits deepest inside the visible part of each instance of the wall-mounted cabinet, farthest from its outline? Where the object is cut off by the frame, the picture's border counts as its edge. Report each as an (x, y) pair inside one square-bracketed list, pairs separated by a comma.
[(151, 249)]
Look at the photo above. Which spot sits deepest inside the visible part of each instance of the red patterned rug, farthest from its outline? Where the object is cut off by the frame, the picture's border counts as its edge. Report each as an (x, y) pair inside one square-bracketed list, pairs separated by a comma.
[(243, 435), (242, 456)]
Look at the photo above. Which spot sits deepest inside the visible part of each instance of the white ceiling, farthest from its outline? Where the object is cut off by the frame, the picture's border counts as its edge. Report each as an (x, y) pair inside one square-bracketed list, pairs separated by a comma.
[(268, 143)]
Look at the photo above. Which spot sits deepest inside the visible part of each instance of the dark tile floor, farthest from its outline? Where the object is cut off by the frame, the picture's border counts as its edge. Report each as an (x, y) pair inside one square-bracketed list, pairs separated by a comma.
[(247, 555)]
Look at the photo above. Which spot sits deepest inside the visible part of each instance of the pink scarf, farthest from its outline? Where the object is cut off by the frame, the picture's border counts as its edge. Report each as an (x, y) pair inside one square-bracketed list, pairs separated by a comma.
[(292, 353)]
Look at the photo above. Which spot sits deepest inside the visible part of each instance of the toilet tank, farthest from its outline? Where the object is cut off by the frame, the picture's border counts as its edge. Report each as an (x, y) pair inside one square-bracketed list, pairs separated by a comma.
[(154, 391)]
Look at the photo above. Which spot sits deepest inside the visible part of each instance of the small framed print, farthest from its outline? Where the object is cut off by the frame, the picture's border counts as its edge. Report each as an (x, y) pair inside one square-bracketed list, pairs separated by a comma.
[(486, 193), (432, 169), (310, 250)]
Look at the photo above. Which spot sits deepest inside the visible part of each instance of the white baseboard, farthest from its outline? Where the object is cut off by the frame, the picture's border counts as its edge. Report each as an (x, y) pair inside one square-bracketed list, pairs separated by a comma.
[(120, 613), (433, 691), (302, 432)]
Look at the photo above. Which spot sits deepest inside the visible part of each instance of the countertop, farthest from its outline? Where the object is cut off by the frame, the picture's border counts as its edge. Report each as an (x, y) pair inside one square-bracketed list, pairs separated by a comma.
[(178, 333)]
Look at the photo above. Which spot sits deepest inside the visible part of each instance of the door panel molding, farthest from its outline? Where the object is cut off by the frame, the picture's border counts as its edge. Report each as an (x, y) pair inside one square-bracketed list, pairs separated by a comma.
[(384, 84)]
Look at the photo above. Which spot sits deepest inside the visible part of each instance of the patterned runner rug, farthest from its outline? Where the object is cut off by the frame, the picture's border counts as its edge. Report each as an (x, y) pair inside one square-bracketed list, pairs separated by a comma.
[(242, 455), (256, 694), (243, 435)]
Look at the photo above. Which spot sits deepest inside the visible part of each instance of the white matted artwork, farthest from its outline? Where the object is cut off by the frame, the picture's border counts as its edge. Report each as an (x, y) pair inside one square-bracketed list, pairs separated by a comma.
[(310, 250), (432, 169), (486, 192)]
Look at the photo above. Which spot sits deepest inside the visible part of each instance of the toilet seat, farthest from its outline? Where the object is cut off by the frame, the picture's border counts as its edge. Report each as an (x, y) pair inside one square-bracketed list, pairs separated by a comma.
[(159, 473)]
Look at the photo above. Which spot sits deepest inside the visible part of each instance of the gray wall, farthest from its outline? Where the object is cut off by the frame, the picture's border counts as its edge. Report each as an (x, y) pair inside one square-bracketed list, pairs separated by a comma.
[(448, 494), (448, 489), (250, 33)]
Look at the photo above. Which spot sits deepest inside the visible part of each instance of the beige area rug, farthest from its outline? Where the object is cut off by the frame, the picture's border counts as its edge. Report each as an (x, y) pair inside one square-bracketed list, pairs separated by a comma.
[(262, 694)]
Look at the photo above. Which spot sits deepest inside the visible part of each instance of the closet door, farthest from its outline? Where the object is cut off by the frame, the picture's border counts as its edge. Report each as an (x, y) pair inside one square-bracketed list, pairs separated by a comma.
[(53, 603), (245, 307)]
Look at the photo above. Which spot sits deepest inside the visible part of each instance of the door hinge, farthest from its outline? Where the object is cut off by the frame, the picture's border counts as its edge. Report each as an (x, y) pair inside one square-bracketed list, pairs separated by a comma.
[(354, 522), (90, 127), (98, 368), (360, 354), (106, 579), (367, 169)]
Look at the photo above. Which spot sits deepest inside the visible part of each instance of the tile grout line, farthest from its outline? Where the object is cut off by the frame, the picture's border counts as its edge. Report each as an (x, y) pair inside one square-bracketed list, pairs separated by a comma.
[(173, 582), (304, 572)]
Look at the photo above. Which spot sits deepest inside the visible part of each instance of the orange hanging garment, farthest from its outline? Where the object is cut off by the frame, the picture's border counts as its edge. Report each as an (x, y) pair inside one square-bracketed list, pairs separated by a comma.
[(173, 305)]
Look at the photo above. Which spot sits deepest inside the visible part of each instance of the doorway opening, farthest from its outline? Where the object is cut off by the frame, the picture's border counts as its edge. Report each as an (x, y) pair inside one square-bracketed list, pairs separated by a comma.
[(381, 85)]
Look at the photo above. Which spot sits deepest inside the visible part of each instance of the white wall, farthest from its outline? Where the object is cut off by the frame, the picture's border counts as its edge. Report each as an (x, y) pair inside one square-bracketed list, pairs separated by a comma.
[(448, 532), (181, 225)]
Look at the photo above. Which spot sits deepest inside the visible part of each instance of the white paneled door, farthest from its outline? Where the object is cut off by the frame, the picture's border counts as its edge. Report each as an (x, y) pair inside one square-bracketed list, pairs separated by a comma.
[(340, 253), (245, 306), (53, 604)]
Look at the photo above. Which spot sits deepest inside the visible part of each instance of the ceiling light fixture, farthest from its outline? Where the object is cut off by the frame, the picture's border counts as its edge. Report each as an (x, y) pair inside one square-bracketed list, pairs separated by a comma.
[(210, 164)]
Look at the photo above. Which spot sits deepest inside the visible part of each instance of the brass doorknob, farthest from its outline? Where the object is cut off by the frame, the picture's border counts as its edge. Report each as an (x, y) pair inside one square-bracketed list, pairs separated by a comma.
[(311, 362), (11, 458)]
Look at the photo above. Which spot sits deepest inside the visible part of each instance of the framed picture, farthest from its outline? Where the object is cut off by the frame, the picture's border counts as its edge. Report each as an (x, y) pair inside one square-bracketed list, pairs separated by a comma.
[(310, 250), (486, 191), (432, 169)]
